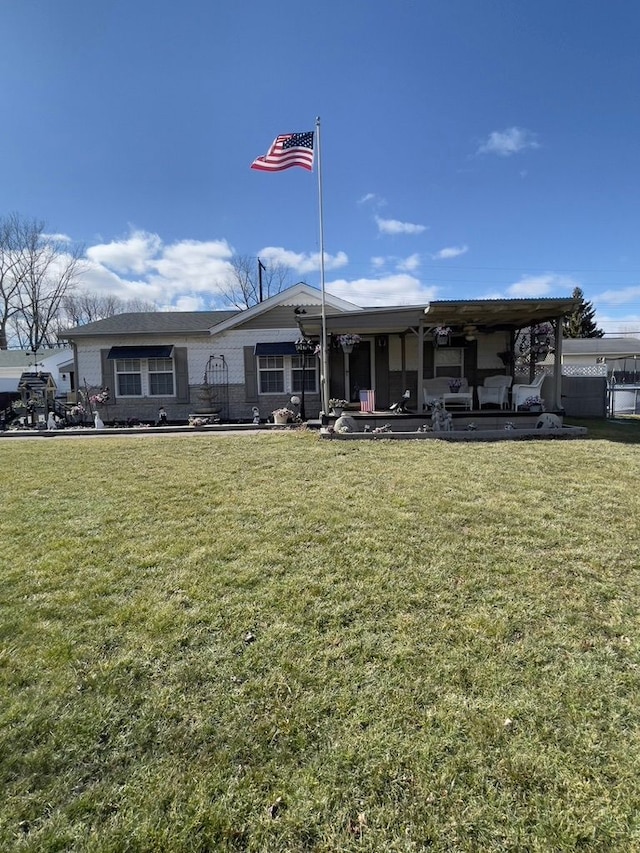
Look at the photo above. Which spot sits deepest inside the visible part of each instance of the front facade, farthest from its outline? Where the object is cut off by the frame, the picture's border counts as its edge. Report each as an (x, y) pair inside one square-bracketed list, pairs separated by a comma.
[(224, 362), (234, 362)]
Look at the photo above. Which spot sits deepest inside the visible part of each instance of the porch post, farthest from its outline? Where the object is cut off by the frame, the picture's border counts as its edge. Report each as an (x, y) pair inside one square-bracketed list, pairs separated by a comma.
[(557, 365), (420, 400)]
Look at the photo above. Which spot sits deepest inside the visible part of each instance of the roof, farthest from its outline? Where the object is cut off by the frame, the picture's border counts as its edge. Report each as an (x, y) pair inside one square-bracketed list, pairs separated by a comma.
[(202, 322), (489, 314), (601, 346), (151, 322), (23, 358)]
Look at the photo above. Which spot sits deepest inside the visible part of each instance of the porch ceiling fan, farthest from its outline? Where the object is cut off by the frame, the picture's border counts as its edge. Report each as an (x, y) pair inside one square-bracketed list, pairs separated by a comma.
[(470, 332)]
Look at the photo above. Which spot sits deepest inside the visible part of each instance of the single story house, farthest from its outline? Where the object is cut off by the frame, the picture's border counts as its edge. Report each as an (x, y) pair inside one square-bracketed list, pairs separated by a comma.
[(236, 361), (228, 361)]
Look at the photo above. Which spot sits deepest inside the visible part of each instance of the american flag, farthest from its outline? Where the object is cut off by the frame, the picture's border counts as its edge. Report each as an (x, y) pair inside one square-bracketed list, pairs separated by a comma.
[(290, 149), (367, 401)]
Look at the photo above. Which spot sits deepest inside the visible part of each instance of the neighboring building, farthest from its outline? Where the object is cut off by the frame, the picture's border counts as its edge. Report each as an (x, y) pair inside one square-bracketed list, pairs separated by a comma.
[(621, 355), (56, 362), (233, 361), (617, 357)]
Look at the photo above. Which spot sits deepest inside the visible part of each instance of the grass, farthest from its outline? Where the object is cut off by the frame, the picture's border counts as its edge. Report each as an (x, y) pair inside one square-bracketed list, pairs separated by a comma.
[(272, 643)]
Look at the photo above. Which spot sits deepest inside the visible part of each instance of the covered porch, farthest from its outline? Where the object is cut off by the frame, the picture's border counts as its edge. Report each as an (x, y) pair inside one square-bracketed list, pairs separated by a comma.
[(404, 349)]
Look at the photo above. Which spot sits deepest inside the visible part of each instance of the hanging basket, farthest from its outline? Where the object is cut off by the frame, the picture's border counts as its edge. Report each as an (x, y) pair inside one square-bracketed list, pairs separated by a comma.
[(442, 340), (348, 348)]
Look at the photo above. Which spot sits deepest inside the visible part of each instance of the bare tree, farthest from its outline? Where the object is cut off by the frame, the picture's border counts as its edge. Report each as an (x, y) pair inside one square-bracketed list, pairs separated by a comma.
[(242, 288), (38, 271), (9, 278), (83, 306)]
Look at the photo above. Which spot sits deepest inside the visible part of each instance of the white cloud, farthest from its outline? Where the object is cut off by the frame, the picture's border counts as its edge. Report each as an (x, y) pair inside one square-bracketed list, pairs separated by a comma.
[(187, 275), (377, 262), (188, 302), (450, 252), (504, 143), (58, 238), (410, 264), (190, 266), (372, 198), (619, 297), (400, 289), (627, 326), (130, 255), (186, 272), (302, 262), (540, 285), (394, 226)]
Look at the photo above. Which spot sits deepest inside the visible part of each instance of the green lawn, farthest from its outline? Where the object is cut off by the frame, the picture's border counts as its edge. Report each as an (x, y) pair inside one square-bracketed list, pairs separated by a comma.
[(276, 643)]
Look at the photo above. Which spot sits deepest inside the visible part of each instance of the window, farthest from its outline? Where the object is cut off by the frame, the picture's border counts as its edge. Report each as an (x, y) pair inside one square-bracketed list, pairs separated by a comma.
[(448, 361), (137, 377), (284, 374), (128, 377), (303, 365), (271, 373), (160, 377)]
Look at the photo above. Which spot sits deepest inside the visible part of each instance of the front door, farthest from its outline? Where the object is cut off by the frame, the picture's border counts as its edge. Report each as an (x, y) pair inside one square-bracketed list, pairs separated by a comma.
[(359, 370)]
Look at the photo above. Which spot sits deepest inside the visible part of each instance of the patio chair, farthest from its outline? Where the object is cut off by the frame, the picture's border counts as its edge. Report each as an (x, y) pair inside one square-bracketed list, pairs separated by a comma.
[(495, 390), (519, 393)]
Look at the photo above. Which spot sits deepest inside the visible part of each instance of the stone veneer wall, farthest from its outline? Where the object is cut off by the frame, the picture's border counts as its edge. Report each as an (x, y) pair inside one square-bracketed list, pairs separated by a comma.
[(145, 409)]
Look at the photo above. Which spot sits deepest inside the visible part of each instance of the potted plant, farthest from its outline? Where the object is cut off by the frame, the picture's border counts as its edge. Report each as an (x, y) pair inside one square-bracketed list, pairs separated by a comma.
[(442, 336), (455, 385), (337, 406), (534, 403), (348, 341), (282, 416)]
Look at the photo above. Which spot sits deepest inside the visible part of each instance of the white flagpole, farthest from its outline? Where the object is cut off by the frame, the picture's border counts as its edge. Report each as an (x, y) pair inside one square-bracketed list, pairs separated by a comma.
[(324, 352)]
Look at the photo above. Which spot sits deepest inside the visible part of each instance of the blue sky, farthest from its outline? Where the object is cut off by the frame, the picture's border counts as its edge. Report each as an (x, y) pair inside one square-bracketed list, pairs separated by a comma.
[(470, 148)]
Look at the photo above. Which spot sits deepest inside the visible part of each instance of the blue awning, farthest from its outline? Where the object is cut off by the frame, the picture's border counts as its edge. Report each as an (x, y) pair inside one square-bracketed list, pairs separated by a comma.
[(281, 348), (140, 352)]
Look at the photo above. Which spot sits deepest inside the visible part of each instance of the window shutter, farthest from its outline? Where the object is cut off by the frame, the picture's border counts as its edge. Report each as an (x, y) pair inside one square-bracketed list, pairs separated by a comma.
[(108, 373), (250, 376), (182, 374)]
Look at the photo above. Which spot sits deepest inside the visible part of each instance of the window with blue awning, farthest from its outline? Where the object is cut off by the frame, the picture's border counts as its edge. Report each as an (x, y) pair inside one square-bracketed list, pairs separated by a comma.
[(141, 352), (280, 348)]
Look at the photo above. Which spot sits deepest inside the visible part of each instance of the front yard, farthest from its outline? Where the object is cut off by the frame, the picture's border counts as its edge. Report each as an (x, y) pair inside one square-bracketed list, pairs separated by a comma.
[(273, 643)]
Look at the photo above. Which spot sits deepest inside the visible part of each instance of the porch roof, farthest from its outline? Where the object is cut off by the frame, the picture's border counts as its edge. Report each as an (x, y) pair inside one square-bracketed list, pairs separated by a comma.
[(486, 314)]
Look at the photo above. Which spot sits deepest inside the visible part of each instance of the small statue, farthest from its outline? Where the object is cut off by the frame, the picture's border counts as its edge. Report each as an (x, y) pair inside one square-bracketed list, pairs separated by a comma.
[(51, 421), (401, 406), (441, 420), (97, 421)]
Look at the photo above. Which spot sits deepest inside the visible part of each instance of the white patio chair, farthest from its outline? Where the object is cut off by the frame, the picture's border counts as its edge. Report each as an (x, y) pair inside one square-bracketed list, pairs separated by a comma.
[(495, 390), (519, 393)]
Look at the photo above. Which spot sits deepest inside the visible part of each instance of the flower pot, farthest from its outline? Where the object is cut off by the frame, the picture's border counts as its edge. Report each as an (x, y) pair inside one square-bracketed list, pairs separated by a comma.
[(337, 411), (347, 348), (280, 419), (454, 390), (442, 340)]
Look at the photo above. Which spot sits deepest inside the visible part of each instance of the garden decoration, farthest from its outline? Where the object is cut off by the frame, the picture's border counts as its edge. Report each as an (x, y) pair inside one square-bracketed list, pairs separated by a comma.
[(441, 420), (533, 403), (401, 406), (282, 416), (337, 406), (348, 341), (442, 336)]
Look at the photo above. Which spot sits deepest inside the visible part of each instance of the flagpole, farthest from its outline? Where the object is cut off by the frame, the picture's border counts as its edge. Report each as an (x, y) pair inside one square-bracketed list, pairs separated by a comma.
[(324, 378)]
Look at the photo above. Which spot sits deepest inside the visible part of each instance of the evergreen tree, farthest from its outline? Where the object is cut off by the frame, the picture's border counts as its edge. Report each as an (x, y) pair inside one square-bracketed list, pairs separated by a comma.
[(581, 323)]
